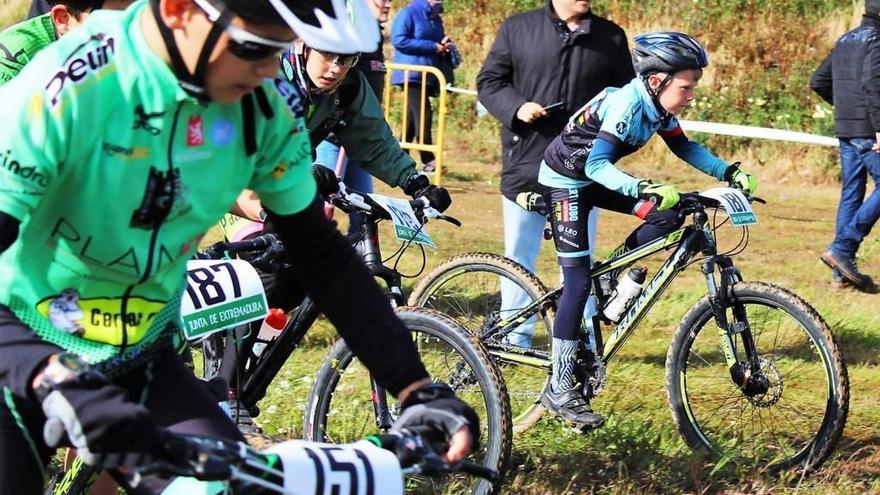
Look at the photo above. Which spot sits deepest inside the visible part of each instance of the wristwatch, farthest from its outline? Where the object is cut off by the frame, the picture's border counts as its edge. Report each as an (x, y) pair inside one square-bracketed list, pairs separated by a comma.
[(62, 368)]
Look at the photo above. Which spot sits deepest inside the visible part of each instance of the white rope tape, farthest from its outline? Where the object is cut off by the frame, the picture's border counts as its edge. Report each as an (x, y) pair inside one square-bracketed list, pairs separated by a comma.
[(724, 129), (757, 133)]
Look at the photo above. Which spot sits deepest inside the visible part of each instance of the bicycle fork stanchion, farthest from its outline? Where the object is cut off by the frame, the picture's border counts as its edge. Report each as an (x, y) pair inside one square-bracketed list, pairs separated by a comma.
[(745, 374), (379, 398)]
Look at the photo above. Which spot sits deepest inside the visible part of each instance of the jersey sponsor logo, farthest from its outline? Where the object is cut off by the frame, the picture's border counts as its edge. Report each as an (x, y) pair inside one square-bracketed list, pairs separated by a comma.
[(195, 131), (88, 248), (76, 68), (222, 132), (99, 319), (279, 170), (8, 56), (143, 120), (118, 151), (291, 97), (28, 173), (621, 128)]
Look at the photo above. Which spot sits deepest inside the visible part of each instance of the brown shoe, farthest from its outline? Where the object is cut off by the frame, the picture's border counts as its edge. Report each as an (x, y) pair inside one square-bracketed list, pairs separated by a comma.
[(848, 270)]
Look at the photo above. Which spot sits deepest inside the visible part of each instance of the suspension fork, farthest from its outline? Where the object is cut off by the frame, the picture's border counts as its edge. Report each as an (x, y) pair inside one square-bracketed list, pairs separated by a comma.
[(719, 300), (370, 249)]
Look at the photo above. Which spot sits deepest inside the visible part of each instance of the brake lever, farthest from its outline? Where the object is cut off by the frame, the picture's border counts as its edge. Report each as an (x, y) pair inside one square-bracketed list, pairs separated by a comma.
[(755, 199), (452, 220)]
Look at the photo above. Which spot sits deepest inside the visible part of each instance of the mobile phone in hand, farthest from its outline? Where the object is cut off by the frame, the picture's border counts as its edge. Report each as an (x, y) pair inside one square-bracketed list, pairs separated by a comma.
[(554, 106)]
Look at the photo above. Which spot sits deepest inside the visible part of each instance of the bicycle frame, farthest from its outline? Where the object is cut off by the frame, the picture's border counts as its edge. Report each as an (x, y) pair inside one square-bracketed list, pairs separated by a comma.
[(277, 353)]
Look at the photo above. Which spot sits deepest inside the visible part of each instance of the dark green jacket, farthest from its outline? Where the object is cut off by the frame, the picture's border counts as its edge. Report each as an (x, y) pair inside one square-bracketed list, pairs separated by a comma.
[(354, 116)]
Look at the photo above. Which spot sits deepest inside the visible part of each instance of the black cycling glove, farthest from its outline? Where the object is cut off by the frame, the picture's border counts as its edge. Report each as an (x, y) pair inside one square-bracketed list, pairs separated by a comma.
[(419, 186), (327, 181), (95, 416), (436, 406)]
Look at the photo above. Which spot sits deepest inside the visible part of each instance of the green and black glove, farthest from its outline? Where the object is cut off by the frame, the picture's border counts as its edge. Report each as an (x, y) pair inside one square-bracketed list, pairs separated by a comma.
[(740, 180), (663, 195)]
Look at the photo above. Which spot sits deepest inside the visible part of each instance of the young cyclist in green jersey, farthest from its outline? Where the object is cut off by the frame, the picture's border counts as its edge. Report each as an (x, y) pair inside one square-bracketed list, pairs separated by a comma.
[(19, 43), (177, 105)]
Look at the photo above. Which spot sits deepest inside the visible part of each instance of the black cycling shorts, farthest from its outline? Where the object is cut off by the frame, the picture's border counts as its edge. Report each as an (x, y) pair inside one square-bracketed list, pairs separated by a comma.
[(569, 211)]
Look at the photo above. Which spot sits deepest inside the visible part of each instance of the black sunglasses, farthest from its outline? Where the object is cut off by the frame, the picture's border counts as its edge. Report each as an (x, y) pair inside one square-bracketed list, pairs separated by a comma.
[(243, 43)]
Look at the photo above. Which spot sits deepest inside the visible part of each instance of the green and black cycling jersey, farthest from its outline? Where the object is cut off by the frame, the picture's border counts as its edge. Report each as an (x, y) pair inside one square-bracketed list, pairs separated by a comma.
[(113, 174), (21, 42)]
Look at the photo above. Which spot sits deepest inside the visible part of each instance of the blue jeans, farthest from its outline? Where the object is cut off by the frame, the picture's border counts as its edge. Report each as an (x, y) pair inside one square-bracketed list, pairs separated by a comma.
[(353, 176), (856, 214), (523, 233)]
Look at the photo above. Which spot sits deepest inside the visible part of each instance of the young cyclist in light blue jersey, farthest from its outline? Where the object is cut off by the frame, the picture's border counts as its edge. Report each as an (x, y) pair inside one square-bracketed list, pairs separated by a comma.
[(578, 174)]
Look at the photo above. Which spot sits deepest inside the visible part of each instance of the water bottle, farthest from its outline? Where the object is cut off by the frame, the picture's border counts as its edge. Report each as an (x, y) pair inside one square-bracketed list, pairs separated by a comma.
[(628, 289), (269, 330)]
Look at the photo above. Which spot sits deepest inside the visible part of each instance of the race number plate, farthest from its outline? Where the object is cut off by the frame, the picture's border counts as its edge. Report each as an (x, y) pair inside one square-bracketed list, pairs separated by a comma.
[(735, 203), (359, 469), (220, 294), (407, 227)]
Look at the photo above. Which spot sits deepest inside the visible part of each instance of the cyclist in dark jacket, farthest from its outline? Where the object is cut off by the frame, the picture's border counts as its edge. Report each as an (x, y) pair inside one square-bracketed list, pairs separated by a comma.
[(849, 78), (329, 153)]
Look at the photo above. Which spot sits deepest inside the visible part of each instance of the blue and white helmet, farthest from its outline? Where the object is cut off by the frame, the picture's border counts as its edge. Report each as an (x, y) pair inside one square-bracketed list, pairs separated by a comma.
[(667, 52)]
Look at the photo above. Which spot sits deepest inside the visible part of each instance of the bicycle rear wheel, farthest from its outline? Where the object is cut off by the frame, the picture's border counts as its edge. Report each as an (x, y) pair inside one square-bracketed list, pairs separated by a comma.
[(798, 420), (340, 405), (468, 288)]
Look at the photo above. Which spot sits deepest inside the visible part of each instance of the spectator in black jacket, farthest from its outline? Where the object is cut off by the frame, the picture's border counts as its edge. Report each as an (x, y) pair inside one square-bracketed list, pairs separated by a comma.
[(849, 78), (557, 57)]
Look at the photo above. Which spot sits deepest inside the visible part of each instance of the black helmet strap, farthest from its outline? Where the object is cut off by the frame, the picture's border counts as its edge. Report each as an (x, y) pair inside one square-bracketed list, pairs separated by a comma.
[(191, 82), (655, 93)]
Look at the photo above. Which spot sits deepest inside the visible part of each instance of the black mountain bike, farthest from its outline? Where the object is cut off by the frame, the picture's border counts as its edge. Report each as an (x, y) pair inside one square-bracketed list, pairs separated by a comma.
[(753, 373), (345, 404)]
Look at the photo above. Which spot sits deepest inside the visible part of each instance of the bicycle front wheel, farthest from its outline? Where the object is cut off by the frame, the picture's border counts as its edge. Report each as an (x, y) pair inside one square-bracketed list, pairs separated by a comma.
[(796, 418), (340, 406), (469, 288)]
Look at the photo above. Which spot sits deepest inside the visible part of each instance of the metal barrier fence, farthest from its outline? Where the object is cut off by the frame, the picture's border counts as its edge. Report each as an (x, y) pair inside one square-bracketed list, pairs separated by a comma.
[(418, 143)]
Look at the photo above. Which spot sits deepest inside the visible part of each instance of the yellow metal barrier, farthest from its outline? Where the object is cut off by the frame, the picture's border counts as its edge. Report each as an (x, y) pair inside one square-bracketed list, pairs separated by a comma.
[(440, 135)]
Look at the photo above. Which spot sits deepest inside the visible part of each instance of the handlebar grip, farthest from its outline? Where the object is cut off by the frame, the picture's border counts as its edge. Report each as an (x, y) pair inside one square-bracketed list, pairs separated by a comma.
[(258, 243)]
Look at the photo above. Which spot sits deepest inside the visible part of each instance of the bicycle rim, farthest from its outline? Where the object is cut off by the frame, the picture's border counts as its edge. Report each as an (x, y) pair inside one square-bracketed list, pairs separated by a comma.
[(468, 288), (800, 416), (341, 409)]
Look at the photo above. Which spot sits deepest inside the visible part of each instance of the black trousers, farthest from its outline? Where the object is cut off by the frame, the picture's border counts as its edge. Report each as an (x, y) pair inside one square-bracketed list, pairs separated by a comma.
[(414, 115)]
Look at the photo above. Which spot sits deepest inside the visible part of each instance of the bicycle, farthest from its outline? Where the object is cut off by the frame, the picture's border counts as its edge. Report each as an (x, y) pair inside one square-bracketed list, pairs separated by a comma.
[(448, 350), (289, 468), (774, 393)]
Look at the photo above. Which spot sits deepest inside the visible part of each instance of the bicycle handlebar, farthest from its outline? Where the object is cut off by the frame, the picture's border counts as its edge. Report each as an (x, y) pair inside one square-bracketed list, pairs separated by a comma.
[(209, 459), (418, 456), (221, 249), (352, 201)]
